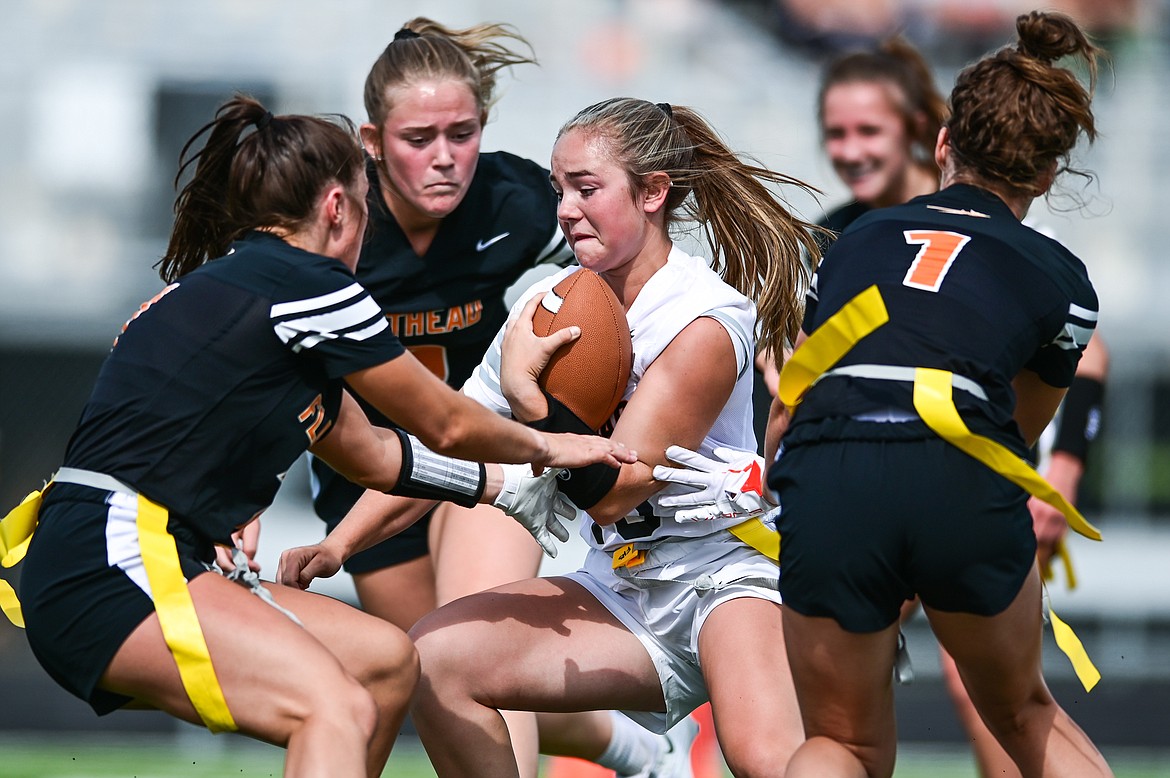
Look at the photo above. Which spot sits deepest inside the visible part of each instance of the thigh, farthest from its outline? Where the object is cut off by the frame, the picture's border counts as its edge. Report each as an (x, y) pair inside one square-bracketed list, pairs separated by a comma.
[(477, 548), (745, 665), (998, 657), (543, 644), (368, 647), (844, 684), (401, 594), (271, 671)]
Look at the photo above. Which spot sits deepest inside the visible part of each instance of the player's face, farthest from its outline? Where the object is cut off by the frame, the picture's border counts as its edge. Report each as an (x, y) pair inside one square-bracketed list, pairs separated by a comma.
[(430, 146), (601, 218), (866, 140)]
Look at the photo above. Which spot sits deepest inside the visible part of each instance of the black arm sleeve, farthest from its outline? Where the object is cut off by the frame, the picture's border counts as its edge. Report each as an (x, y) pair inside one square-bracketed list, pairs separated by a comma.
[(1080, 417)]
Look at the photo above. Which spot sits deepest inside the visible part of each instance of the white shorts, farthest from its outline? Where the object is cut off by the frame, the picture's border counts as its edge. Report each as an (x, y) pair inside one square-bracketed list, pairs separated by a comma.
[(665, 601)]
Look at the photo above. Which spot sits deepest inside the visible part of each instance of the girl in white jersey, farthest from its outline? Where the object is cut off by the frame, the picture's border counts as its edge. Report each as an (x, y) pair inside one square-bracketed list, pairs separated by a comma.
[(664, 614)]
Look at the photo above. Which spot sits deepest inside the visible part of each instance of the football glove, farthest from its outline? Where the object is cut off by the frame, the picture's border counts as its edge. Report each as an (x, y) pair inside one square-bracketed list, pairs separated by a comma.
[(730, 486), (537, 504)]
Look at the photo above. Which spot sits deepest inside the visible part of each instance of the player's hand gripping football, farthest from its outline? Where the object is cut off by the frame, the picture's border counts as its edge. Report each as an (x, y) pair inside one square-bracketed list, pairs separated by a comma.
[(728, 487), (537, 504), (523, 356)]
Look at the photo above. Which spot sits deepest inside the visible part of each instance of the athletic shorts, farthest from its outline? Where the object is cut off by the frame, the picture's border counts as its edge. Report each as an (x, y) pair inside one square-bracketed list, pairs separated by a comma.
[(83, 587), (867, 524), (406, 546), (665, 601)]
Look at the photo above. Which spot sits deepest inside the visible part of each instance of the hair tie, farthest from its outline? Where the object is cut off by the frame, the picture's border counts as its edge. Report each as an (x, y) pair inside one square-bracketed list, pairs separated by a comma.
[(263, 121), (665, 107), (405, 34)]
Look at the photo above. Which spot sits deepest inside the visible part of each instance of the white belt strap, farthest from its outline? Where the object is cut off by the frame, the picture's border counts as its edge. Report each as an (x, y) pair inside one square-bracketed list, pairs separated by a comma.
[(107, 483), (899, 373)]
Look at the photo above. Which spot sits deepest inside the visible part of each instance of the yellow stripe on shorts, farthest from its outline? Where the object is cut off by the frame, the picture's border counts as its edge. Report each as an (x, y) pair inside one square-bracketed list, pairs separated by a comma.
[(176, 615)]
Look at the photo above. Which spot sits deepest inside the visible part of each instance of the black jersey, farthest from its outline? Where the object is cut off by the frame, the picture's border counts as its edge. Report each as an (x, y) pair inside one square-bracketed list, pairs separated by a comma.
[(838, 220), (968, 289), (219, 383), (447, 305)]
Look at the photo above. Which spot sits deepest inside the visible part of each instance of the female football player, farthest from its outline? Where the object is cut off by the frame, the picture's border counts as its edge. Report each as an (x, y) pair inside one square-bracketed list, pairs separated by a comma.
[(211, 391), (666, 613), (975, 324), (451, 229), (879, 114)]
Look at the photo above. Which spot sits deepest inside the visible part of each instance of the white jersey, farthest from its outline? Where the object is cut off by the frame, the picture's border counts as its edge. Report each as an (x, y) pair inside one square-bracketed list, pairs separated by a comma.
[(683, 290)]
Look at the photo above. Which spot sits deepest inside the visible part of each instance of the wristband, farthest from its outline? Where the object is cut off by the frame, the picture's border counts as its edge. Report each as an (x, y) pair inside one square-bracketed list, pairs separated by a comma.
[(585, 486), (432, 476), (1080, 417)]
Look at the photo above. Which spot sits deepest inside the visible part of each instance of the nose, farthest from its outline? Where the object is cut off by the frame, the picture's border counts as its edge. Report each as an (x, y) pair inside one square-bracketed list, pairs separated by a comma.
[(845, 149), (443, 156), (567, 210)]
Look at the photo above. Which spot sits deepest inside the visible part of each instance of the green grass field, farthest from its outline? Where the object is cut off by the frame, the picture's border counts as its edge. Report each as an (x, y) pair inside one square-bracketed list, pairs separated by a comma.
[(204, 756)]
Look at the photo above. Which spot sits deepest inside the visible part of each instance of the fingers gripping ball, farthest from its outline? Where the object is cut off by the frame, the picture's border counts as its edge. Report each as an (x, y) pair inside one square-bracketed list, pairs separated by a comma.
[(589, 375)]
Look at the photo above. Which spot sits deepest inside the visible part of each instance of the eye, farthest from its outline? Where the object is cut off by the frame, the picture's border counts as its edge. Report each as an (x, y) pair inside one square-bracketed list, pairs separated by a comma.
[(587, 191)]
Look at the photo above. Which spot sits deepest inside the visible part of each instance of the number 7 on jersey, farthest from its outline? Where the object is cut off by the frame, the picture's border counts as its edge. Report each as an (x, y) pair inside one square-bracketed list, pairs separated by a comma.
[(938, 253)]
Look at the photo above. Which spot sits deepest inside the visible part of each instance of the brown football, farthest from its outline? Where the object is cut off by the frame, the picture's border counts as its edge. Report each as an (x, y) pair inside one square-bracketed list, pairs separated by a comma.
[(590, 374)]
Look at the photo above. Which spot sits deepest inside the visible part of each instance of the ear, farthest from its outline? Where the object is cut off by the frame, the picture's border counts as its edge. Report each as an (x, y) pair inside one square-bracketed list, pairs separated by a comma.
[(333, 205), (371, 140), (942, 148), (655, 189)]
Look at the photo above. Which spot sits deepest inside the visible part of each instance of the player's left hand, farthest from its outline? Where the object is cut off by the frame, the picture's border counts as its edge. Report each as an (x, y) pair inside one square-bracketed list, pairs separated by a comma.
[(704, 489), (537, 504)]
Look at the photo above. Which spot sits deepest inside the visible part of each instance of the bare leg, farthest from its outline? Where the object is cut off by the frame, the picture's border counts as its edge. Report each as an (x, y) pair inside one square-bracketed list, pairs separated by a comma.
[(745, 666), (998, 658), (479, 548), (541, 644), (990, 758), (281, 683), (844, 682), (400, 594)]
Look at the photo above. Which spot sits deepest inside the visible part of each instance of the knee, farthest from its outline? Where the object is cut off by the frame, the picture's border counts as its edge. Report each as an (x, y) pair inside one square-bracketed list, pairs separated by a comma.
[(758, 753), (346, 706)]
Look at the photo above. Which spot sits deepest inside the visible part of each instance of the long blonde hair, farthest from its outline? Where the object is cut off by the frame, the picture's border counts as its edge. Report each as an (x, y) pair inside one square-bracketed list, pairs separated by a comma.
[(756, 242)]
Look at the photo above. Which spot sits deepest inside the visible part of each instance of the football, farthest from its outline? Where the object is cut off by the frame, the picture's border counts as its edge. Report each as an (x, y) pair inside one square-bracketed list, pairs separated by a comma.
[(590, 374)]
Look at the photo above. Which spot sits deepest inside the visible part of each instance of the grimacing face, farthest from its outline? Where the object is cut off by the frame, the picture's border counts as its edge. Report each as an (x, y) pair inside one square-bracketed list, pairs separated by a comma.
[(603, 223), (866, 139), (429, 143)]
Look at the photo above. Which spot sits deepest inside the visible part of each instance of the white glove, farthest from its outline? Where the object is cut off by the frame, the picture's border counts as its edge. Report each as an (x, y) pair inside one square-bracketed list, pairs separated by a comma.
[(723, 488), (537, 504)]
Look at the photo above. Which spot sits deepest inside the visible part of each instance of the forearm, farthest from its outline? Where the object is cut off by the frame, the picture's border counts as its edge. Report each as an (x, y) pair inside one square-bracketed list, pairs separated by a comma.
[(373, 518)]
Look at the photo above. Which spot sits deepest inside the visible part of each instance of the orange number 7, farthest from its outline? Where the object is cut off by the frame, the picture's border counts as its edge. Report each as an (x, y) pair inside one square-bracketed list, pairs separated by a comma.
[(934, 259)]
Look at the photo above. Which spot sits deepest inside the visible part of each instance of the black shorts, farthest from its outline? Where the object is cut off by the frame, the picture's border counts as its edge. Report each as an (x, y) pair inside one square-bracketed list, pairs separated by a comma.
[(81, 590), (867, 524), (406, 546)]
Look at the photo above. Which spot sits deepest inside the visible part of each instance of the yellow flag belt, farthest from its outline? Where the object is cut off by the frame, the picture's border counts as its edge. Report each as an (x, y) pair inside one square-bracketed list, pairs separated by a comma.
[(172, 599)]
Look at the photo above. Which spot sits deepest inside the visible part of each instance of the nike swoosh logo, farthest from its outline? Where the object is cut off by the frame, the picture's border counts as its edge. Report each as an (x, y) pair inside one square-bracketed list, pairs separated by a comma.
[(483, 244)]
